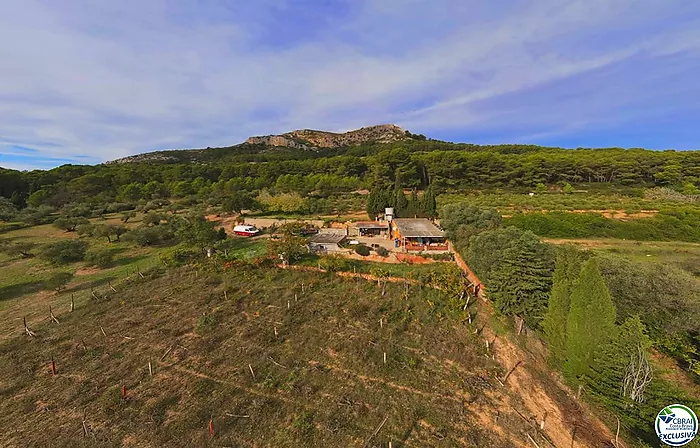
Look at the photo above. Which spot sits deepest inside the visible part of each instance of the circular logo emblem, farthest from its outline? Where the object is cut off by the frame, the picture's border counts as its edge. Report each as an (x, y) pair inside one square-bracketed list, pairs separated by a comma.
[(676, 425)]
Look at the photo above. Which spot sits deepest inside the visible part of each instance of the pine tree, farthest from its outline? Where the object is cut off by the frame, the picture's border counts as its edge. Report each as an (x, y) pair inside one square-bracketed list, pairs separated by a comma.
[(521, 284), (567, 270), (591, 320)]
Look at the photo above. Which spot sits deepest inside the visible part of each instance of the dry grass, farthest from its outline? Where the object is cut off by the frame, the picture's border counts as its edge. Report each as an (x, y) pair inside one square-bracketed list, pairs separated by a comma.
[(321, 381)]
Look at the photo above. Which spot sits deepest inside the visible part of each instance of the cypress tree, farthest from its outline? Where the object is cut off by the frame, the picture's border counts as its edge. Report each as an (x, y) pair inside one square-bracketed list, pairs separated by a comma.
[(590, 323), (372, 203), (428, 204), (567, 270), (400, 202)]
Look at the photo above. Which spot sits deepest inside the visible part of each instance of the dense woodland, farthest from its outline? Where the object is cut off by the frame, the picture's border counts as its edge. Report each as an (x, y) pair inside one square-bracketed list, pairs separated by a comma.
[(600, 315), (248, 170)]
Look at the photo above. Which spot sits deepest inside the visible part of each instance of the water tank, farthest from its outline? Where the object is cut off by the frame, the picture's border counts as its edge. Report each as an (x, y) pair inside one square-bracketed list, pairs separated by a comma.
[(389, 213)]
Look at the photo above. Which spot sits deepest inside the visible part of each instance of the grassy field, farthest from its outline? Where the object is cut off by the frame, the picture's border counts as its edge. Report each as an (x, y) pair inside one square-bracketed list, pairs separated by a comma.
[(25, 282), (682, 255), (312, 374), (620, 203)]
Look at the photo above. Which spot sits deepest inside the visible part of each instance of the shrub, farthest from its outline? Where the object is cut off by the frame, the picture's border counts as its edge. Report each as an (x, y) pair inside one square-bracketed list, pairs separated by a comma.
[(180, 256), (69, 224), (62, 252), (99, 257), (85, 229), (148, 236), (362, 250), (382, 252), (58, 281)]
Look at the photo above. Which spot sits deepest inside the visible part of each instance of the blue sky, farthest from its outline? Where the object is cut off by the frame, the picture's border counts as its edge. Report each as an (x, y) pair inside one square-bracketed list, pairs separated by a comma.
[(84, 81)]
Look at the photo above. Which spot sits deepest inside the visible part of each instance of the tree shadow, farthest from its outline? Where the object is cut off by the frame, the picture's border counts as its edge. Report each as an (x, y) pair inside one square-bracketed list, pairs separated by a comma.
[(20, 289), (91, 284), (127, 261)]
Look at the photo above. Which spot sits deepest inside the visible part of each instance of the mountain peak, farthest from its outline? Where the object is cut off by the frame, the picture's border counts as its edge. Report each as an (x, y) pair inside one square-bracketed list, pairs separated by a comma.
[(310, 138)]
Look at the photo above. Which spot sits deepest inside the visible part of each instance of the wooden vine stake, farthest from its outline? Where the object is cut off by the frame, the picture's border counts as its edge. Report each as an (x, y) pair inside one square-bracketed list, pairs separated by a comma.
[(103, 331), (72, 303), (251, 371), (124, 392), (85, 430), (51, 316), (166, 353), (28, 331), (384, 357), (53, 367), (505, 378), (210, 427), (544, 418), (150, 369), (276, 334)]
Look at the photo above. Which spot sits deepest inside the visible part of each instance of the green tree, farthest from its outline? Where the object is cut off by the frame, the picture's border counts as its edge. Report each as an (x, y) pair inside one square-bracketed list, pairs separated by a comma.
[(69, 224), (288, 249), (126, 216), (152, 219), (522, 282), (58, 280), (196, 230), (23, 248), (591, 320), (99, 257), (428, 202), (567, 269), (540, 188), (237, 202), (8, 211), (66, 251), (568, 189), (400, 203)]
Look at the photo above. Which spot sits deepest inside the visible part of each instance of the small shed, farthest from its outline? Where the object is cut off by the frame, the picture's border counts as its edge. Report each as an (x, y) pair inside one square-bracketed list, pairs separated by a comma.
[(370, 228), (326, 242), (418, 234)]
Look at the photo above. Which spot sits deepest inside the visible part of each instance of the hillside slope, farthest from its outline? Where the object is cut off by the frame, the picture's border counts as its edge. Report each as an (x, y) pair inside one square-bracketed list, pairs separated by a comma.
[(270, 365)]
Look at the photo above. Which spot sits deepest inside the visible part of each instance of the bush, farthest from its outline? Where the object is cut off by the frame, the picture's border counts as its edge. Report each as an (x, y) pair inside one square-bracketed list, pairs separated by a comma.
[(69, 224), (362, 250), (99, 257), (85, 229), (58, 281), (62, 252), (148, 236), (382, 252), (180, 256)]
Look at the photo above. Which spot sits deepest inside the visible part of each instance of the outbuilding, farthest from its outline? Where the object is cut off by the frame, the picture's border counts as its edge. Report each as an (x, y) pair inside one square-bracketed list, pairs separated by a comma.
[(326, 242), (369, 228), (418, 235)]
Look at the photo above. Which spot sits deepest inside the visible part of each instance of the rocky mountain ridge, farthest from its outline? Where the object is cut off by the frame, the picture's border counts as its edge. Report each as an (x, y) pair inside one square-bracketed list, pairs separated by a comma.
[(310, 138), (306, 139)]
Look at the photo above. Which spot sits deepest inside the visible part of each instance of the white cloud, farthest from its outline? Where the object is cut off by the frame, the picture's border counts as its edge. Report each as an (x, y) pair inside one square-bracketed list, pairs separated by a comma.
[(107, 79)]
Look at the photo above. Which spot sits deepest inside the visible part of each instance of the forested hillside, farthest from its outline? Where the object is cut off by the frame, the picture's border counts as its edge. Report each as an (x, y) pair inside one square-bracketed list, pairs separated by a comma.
[(247, 168)]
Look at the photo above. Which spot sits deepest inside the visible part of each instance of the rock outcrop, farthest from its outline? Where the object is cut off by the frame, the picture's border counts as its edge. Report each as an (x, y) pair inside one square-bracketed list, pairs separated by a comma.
[(309, 138)]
